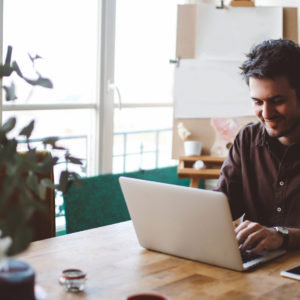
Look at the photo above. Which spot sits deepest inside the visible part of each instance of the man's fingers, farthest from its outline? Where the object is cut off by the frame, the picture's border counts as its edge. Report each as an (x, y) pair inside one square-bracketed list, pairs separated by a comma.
[(243, 225), (258, 238), (259, 247), (253, 239), (246, 229)]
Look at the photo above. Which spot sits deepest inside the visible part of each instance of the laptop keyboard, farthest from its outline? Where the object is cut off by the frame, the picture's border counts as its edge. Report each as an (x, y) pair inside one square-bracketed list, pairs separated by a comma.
[(247, 256)]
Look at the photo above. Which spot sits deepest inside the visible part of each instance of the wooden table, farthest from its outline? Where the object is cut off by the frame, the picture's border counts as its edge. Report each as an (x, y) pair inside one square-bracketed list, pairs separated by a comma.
[(117, 266), (212, 170)]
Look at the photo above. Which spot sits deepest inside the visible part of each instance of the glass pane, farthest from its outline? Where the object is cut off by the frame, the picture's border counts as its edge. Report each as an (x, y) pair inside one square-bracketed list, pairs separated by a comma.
[(148, 161), (118, 144), (118, 165), (145, 42), (64, 33), (139, 143), (133, 163), (141, 119), (147, 135), (76, 136), (165, 151)]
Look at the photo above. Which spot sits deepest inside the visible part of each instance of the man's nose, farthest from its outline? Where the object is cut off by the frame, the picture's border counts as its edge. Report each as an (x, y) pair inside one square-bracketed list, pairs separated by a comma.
[(267, 110)]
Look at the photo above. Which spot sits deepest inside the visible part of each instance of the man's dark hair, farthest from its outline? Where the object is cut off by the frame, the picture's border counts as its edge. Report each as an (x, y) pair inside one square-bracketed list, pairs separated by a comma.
[(273, 58)]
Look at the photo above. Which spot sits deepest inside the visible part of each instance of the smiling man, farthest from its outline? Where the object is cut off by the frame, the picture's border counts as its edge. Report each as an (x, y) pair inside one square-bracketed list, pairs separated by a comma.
[(261, 175)]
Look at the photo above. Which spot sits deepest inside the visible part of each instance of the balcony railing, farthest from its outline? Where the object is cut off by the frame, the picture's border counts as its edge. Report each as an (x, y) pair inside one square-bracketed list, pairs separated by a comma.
[(141, 152), (59, 208)]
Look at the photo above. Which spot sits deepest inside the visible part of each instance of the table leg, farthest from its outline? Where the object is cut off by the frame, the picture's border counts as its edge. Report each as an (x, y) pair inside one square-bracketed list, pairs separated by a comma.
[(194, 182)]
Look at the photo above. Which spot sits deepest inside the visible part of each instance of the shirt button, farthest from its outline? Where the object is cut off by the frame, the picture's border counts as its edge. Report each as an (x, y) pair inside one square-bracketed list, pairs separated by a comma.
[(278, 209), (281, 183)]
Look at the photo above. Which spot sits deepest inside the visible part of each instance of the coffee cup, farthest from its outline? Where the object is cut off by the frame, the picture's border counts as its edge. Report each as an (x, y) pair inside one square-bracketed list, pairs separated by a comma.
[(147, 296)]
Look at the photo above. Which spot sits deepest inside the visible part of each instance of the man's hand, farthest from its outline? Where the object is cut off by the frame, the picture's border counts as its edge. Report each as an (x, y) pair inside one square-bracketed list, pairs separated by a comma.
[(256, 237)]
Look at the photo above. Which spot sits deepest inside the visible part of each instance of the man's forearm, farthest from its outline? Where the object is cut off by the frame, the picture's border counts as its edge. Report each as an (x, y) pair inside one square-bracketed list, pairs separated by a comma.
[(294, 238)]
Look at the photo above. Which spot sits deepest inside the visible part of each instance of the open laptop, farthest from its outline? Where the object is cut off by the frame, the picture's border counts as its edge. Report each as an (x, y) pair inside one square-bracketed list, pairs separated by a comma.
[(191, 223)]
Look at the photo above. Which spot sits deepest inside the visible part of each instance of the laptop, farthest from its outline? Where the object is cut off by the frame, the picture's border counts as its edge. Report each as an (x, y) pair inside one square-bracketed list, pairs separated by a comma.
[(190, 223)]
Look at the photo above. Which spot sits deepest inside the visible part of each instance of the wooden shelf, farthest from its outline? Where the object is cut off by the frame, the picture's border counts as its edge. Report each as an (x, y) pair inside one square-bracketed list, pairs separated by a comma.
[(212, 171), (242, 3)]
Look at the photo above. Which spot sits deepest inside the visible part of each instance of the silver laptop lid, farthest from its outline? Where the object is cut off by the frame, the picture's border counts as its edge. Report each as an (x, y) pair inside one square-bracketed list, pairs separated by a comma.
[(182, 221)]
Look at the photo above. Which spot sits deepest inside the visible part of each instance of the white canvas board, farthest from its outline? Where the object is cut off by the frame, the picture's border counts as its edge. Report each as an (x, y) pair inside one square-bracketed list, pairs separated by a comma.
[(204, 89), (230, 33)]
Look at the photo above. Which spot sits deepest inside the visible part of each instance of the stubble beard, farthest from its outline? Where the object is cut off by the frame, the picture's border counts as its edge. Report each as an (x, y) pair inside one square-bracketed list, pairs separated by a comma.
[(292, 128)]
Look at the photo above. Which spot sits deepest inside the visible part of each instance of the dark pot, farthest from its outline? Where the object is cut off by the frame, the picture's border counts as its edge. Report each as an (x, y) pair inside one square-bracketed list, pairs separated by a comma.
[(17, 282)]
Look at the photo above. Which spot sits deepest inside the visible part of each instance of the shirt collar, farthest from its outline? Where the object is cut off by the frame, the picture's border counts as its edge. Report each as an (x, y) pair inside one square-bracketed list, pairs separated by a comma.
[(262, 137)]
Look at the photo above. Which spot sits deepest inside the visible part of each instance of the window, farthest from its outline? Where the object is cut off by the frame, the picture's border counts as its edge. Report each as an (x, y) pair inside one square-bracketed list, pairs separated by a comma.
[(66, 35), (144, 43), (94, 51)]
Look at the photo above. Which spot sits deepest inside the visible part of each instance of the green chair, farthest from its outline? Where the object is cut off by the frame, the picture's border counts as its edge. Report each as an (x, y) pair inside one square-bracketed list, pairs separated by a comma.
[(99, 200)]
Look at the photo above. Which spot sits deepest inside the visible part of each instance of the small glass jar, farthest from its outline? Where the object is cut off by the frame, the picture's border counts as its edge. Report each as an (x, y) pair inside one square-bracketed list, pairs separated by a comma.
[(73, 280)]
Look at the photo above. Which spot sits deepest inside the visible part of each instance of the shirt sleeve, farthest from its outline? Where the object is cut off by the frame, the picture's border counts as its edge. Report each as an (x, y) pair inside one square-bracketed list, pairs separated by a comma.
[(230, 180)]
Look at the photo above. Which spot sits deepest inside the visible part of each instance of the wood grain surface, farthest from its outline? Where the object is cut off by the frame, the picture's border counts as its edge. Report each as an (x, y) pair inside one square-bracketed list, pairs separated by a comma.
[(118, 266)]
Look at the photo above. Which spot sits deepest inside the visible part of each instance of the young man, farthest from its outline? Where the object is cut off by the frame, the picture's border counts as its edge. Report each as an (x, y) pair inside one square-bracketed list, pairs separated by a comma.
[(261, 175)]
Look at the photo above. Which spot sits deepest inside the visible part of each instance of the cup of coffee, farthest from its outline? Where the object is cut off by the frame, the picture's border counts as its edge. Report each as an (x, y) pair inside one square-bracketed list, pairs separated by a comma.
[(147, 296)]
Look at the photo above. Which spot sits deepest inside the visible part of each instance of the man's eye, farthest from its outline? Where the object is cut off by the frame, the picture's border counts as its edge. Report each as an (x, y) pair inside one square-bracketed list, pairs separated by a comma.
[(278, 101), (257, 102)]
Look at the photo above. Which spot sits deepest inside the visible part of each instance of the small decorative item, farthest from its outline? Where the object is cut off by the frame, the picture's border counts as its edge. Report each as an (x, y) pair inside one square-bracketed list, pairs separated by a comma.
[(73, 280), (191, 148), (18, 282), (182, 131), (226, 130), (198, 165)]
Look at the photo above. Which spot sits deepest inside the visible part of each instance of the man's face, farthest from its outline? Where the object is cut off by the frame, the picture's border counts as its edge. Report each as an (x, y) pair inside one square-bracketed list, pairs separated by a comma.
[(276, 105)]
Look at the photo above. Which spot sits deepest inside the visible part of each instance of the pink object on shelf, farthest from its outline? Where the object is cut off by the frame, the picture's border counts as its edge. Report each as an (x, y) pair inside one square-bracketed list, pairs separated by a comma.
[(226, 130)]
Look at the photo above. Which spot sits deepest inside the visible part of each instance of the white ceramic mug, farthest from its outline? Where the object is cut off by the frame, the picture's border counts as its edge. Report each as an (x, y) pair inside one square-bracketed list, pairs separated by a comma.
[(192, 148)]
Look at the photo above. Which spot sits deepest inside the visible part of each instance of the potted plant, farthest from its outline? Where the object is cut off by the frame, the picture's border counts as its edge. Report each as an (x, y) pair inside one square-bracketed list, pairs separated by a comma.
[(23, 188)]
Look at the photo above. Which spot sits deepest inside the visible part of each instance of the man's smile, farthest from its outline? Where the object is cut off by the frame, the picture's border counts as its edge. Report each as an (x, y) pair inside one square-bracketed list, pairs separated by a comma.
[(273, 122)]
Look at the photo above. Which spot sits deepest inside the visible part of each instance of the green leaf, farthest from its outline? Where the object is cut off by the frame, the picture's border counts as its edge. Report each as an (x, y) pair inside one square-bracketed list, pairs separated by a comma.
[(27, 131), (76, 179), (14, 225), (74, 160), (48, 183), (33, 58), (16, 68), (46, 165), (33, 182), (10, 92), (50, 140), (5, 71), (41, 81), (42, 192), (8, 55), (63, 181), (21, 240), (44, 185), (59, 148), (9, 125), (31, 155)]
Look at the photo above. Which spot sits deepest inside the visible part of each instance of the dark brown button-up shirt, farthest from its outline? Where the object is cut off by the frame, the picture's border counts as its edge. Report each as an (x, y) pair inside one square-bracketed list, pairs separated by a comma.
[(261, 178)]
